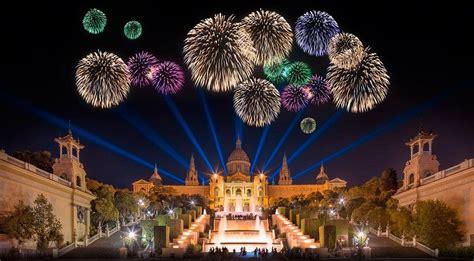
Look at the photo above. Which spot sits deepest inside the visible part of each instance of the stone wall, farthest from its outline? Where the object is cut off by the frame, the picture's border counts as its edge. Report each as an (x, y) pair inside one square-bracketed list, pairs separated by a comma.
[(191, 190), (287, 191)]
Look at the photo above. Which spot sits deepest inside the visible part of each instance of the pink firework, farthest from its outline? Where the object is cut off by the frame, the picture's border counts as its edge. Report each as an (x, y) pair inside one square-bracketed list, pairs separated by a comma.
[(294, 98), (141, 66), (168, 78), (317, 90)]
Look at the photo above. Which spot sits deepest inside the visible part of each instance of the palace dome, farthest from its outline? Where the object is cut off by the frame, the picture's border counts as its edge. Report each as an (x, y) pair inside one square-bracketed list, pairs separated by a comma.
[(238, 160)]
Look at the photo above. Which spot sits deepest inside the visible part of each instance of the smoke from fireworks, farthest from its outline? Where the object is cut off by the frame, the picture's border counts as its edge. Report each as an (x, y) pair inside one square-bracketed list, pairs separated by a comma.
[(141, 67), (168, 78), (102, 79), (257, 102), (274, 70), (361, 88), (308, 125), (313, 30), (317, 90), (294, 98), (271, 35), (219, 53), (345, 50), (94, 21), (132, 30), (297, 73)]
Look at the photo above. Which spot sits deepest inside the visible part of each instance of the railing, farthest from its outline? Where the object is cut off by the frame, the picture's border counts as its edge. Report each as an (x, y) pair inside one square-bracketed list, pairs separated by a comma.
[(448, 172), (67, 249), (32, 168), (404, 242)]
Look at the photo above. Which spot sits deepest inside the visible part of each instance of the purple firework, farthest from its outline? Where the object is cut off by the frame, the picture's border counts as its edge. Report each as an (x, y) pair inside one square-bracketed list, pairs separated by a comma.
[(317, 90), (168, 78), (294, 98), (141, 67), (314, 30)]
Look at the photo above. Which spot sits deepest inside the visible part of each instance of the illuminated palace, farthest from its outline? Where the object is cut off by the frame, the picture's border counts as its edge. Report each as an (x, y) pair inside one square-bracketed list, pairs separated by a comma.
[(240, 185), (423, 180)]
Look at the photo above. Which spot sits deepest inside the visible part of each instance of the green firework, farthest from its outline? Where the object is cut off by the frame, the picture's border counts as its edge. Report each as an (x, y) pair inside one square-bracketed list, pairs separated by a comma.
[(298, 73), (132, 30), (274, 70), (94, 21), (308, 125)]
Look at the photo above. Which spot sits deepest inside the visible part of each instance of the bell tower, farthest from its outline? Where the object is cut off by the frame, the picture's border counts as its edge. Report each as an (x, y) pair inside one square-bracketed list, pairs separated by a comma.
[(422, 162), (68, 166), (192, 177), (285, 175)]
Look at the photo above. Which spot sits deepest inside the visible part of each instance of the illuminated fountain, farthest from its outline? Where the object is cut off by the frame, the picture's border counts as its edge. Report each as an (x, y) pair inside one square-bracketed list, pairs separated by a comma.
[(238, 203)]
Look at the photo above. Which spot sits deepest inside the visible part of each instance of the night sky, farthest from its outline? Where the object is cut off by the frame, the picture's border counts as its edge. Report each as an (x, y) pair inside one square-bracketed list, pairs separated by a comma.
[(425, 47)]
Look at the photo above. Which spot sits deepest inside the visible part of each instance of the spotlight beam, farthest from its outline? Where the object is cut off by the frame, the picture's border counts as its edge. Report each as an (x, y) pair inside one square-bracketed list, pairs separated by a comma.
[(262, 140), (84, 134), (135, 120), (187, 130), (290, 128), (212, 127), (319, 131), (399, 119)]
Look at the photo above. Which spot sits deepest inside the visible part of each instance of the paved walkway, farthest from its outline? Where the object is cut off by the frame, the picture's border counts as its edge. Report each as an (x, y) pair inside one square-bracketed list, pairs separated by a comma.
[(106, 247)]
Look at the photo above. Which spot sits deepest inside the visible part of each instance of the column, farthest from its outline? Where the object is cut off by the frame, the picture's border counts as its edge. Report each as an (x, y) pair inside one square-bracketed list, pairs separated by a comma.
[(88, 221)]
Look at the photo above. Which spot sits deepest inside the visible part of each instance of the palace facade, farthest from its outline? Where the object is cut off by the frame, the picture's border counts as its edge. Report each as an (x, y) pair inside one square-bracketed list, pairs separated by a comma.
[(252, 189), (423, 180), (65, 188)]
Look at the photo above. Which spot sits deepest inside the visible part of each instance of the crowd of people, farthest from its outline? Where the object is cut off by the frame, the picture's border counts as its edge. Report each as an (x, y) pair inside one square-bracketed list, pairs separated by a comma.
[(235, 216), (257, 252)]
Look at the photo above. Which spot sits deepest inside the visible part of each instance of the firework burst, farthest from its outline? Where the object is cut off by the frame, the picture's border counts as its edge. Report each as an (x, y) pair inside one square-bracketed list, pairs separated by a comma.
[(345, 50), (271, 35), (359, 89), (132, 30), (308, 125), (297, 73), (102, 79), (168, 78), (94, 21), (274, 70), (219, 53), (317, 90), (257, 102), (294, 98), (313, 31), (141, 67)]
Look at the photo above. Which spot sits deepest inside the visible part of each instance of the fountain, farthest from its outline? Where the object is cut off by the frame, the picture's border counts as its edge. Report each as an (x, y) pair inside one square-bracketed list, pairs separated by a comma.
[(222, 228), (238, 204), (226, 204), (262, 235), (257, 223), (204, 212), (252, 204)]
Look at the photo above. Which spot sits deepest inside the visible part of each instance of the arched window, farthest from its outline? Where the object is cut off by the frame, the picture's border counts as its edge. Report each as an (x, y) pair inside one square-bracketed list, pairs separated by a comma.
[(216, 192), (249, 193), (63, 150), (238, 192), (426, 147), (78, 181), (74, 152), (260, 191), (416, 149), (227, 192), (411, 178)]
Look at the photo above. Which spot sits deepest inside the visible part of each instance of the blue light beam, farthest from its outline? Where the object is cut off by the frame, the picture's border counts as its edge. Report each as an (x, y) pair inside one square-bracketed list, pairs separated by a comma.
[(135, 120), (401, 118), (316, 135), (290, 128), (239, 128), (213, 129), (263, 138), (187, 130), (84, 134)]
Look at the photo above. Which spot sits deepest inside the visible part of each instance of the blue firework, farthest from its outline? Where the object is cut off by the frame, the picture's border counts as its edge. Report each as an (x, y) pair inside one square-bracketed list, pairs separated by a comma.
[(314, 30)]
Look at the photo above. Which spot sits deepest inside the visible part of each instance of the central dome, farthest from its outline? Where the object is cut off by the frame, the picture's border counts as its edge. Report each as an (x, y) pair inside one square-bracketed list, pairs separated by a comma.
[(238, 160)]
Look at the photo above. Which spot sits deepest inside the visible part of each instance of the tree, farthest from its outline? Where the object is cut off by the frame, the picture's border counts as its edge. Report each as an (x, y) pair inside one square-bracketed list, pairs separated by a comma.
[(436, 224), (390, 180), (126, 204), (103, 211), (40, 159), (19, 224), (45, 224)]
